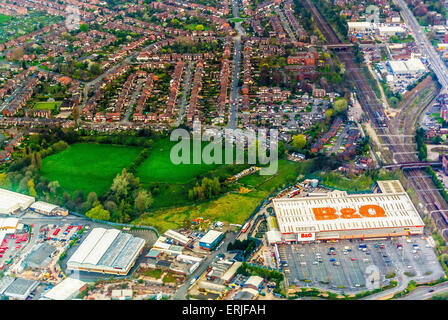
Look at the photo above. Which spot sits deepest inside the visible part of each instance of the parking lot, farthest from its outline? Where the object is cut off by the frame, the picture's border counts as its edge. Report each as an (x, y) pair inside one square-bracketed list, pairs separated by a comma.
[(12, 245), (59, 233), (341, 265)]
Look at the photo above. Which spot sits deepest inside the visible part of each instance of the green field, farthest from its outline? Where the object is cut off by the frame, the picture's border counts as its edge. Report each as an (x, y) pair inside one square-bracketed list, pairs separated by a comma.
[(47, 105), (232, 208), (88, 167), (4, 18), (159, 168), (288, 172)]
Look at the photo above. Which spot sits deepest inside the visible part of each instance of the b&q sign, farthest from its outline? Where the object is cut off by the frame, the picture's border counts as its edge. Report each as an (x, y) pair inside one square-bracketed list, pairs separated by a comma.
[(305, 236), (366, 211)]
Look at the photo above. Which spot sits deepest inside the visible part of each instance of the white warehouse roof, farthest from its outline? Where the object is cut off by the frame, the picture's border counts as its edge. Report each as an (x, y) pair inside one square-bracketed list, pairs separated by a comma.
[(177, 236), (210, 236), (12, 201), (255, 281), (9, 223), (43, 206), (360, 25), (68, 289), (365, 211), (108, 251), (388, 29)]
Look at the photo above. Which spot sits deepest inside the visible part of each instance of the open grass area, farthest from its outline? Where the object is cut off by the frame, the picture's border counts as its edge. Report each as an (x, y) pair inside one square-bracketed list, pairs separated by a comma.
[(47, 105), (158, 167), (4, 18), (340, 181), (88, 167), (153, 273), (231, 207), (287, 172)]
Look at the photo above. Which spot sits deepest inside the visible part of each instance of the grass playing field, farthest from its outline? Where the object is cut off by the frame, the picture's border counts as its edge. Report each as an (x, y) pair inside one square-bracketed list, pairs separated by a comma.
[(158, 167), (47, 105), (88, 167), (4, 18)]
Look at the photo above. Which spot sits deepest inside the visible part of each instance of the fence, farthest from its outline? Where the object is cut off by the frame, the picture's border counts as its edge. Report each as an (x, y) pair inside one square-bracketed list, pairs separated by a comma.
[(116, 224)]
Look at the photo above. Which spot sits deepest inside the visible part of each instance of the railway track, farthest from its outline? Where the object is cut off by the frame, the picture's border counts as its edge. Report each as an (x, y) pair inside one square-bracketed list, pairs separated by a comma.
[(417, 178)]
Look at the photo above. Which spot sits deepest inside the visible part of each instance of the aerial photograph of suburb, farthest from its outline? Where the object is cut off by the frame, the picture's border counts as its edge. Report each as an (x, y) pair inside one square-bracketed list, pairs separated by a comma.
[(257, 152)]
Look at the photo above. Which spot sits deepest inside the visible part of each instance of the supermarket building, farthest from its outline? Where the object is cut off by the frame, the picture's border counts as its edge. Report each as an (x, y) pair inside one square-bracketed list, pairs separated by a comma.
[(338, 215)]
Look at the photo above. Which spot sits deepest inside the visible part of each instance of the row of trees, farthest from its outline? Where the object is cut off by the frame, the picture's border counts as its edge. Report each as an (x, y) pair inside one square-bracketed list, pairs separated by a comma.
[(247, 246), (421, 146)]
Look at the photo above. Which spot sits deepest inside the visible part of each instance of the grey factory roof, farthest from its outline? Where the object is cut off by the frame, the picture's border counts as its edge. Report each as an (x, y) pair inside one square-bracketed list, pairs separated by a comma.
[(4, 283), (129, 250), (41, 255), (107, 249), (20, 288)]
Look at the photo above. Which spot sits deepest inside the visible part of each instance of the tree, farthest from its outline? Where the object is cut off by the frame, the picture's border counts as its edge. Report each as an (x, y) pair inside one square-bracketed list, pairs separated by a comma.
[(298, 141), (38, 161), (84, 27), (98, 212), (92, 197), (120, 184), (340, 105), (31, 189), (53, 186), (328, 114), (143, 201), (75, 114), (95, 69), (200, 27)]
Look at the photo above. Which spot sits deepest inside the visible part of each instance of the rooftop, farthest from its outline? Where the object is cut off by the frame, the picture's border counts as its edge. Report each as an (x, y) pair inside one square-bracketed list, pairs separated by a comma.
[(65, 290), (210, 236), (365, 211)]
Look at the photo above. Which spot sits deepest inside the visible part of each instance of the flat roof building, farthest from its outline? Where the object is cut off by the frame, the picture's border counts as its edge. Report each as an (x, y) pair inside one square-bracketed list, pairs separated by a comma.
[(20, 288), (40, 256), (390, 30), (107, 251), (48, 209), (360, 26), (211, 239), (410, 66), (68, 289), (254, 282), (176, 236), (13, 202), (339, 215), (9, 223), (230, 273)]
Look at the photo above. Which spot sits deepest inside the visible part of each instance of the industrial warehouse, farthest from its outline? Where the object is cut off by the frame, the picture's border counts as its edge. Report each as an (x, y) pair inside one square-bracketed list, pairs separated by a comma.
[(13, 202), (107, 251), (338, 215)]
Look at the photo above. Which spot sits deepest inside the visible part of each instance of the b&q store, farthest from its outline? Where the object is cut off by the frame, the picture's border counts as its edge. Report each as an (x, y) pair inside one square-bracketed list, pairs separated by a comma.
[(338, 215)]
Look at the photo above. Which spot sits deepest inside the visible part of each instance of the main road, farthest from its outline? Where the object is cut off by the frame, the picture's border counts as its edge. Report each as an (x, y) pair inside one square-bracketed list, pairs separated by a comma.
[(436, 64), (233, 118)]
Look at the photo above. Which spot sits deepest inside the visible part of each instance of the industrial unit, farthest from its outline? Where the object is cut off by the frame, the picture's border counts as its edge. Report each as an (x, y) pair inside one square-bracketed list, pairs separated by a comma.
[(13, 202), (48, 209), (339, 215), (68, 289), (210, 240), (107, 251)]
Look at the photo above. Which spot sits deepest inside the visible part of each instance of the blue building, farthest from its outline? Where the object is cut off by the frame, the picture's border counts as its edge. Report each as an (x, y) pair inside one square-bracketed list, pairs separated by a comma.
[(211, 239)]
